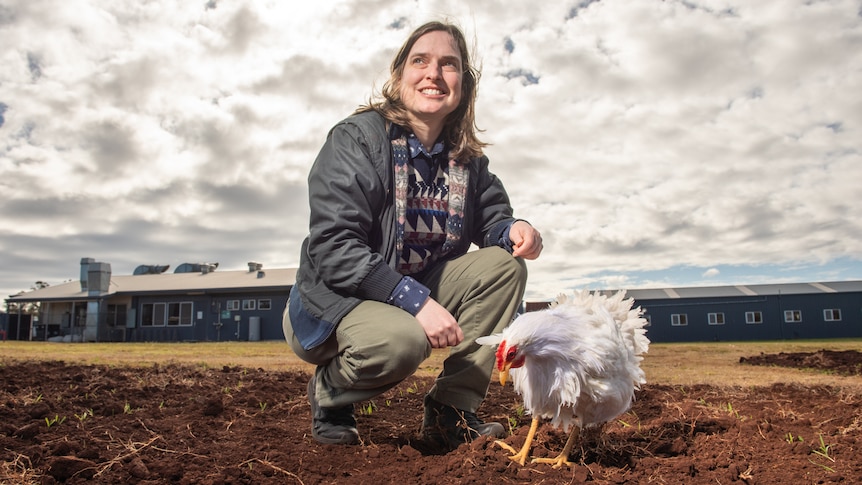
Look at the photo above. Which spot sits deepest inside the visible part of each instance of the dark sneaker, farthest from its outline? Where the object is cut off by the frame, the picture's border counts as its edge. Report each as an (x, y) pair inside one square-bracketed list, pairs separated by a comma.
[(451, 427), (331, 426)]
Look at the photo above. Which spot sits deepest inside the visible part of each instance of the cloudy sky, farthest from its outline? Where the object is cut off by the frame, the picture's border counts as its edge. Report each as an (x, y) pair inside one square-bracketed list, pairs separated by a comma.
[(654, 143)]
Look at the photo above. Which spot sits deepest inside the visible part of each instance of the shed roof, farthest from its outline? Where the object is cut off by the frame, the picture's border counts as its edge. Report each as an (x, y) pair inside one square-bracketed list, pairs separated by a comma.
[(733, 291), (746, 290), (169, 283)]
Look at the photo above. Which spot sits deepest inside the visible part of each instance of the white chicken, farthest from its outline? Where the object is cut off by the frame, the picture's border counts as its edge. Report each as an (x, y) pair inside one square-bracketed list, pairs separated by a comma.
[(576, 363)]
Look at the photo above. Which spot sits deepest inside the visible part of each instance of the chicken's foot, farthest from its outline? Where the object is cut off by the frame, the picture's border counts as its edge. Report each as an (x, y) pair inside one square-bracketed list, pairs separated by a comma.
[(563, 457), (520, 457)]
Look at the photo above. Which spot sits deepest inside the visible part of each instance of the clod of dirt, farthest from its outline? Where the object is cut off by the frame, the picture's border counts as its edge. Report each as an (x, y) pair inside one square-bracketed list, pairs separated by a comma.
[(63, 468), (137, 468), (27, 431), (38, 410), (213, 406)]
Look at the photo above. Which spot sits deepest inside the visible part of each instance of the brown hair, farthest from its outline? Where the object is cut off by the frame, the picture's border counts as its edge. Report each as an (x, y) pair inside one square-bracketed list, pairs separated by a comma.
[(459, 129)]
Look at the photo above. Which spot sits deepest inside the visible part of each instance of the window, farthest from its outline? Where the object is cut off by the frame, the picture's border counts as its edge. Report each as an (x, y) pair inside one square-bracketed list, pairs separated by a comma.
[(159, 314), (264, 304), (162, 314), (832, 315), (180, 313), (116, 315), (715, 318), (753, 318), (232, 305), (792, 316), (248, 305), (147, 315), (648, 319), (679, 319)]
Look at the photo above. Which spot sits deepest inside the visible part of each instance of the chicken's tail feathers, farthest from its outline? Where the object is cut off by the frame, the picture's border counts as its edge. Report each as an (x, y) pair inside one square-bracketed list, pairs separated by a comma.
[(492, 340), (634, 328)]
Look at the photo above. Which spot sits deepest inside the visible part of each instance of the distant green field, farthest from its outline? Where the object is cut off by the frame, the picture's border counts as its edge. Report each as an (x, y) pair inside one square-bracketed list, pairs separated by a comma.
[(679, 363)]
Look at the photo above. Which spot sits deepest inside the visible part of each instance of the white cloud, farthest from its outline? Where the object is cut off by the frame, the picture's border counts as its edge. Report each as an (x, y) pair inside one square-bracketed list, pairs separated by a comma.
[(640, 137), (711, 273)]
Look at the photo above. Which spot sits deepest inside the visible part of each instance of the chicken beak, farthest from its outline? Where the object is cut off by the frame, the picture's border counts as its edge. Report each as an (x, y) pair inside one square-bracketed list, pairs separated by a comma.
[(504, 373)]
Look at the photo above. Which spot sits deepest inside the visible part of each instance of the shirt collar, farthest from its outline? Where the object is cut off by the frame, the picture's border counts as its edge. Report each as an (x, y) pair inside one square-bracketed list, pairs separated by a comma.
[(416, 147)]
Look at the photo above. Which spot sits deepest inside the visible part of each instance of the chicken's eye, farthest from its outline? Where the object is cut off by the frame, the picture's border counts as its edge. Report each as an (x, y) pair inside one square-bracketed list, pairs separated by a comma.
[(510, 354)]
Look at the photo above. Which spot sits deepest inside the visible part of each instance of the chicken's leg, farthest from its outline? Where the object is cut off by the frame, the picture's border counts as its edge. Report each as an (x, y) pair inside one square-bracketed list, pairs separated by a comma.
[(520, 457), (563, 457)]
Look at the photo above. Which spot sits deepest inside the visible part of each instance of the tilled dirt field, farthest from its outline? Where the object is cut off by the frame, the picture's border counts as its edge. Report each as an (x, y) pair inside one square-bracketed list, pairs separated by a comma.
[(65, 423)]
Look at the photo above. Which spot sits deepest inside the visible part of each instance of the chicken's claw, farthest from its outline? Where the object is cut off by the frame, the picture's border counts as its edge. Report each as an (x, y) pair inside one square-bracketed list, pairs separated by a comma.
[(518, 457), (557, 462)]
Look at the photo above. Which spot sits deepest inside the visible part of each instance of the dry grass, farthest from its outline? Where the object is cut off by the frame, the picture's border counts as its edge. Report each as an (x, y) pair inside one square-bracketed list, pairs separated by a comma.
[(674, 364)]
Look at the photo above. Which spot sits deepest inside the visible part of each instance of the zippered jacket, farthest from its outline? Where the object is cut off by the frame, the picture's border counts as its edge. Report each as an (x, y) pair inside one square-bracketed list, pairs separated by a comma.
[(349, 254)]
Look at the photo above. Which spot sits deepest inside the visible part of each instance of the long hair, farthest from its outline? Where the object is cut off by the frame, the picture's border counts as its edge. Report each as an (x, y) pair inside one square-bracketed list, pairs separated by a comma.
[(459, 129)]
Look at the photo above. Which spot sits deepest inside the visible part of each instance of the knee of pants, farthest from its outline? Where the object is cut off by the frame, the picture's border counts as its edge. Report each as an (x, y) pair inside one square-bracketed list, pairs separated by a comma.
[(513, 269), (403, 352), (408, 353)]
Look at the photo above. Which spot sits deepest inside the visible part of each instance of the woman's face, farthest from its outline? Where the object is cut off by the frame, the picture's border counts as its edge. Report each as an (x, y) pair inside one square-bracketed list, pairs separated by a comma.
[(431, 81)]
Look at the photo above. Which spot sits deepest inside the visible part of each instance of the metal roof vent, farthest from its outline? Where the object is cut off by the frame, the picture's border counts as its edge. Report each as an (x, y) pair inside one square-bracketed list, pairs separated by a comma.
[(85, 272), (196, 268), (151, 269)]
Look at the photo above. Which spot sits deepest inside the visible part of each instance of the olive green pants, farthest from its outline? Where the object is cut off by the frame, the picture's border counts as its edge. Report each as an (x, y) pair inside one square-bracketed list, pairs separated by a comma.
[(376, 345)]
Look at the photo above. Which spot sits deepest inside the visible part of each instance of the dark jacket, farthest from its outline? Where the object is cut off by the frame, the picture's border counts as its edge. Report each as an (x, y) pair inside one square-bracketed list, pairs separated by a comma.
[(349, 254)]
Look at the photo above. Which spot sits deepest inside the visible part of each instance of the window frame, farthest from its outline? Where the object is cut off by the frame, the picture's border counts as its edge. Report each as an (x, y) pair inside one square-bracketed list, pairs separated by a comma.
[(184, 314), (792, 316), (754, 318), (679, 319), (715, 318), (161, 314), (831, 314)]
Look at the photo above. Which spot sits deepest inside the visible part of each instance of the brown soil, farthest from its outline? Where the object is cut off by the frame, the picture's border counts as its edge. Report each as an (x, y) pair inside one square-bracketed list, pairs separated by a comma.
[(197, 425)]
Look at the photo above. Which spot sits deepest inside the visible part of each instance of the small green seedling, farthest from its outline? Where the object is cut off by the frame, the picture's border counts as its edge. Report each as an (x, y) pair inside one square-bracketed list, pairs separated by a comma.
[(86, 414), (790, 438), (368, 409), (823, 450), (513, 424), (57, 420)]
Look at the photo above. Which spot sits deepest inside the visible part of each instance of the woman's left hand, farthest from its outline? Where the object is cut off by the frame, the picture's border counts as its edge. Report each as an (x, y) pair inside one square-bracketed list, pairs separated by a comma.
[(526, 240)]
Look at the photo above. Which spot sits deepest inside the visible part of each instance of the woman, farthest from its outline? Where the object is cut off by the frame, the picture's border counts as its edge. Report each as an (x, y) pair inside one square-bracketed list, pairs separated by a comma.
[(398, 193)]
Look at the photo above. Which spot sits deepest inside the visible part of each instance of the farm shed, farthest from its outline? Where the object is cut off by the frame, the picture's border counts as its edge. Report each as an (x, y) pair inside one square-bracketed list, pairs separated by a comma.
[(197, 302), (194, 303), (753, 312)]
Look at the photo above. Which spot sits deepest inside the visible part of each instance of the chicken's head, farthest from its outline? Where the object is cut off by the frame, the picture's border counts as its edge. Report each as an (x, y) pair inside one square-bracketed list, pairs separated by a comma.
[(508, 357)]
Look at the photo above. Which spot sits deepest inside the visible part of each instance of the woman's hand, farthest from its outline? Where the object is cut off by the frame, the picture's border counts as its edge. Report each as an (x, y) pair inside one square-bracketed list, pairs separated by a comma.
[(526, 240), (440, 326)]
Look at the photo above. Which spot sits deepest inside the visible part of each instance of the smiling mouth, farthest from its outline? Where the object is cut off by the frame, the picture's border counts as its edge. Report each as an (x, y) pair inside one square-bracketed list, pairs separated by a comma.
[(431, 91)]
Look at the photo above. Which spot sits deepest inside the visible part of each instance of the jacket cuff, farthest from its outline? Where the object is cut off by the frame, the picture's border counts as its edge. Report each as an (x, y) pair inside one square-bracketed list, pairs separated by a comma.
[(499, 235), (380, 283)]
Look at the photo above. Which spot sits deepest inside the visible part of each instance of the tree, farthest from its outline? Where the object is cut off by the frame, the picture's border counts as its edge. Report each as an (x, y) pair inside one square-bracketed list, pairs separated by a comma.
[(30, 307)]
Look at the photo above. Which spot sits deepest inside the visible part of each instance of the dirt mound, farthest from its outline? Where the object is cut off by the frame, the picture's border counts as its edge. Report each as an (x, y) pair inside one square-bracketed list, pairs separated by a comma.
[(844, 362), (197, 425)]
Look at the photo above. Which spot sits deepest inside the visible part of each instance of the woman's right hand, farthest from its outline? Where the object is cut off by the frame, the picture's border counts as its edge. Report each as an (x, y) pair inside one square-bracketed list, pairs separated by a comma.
[(440, 326)]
